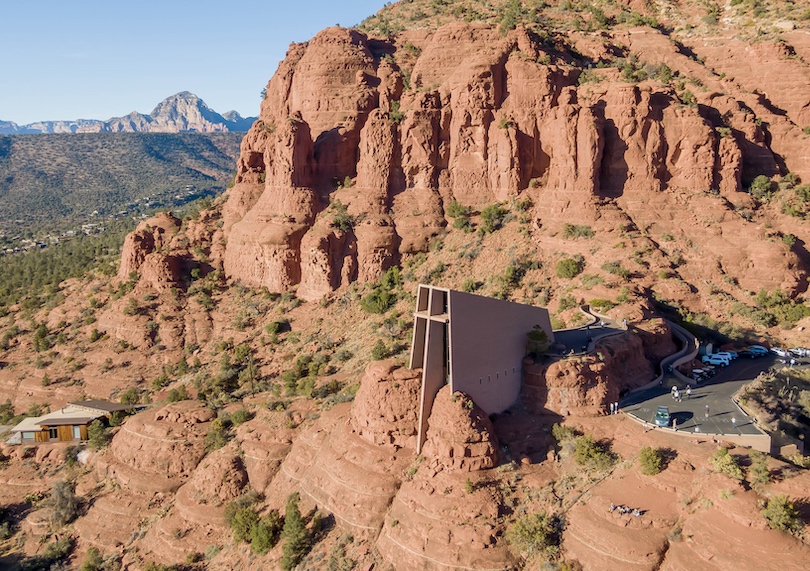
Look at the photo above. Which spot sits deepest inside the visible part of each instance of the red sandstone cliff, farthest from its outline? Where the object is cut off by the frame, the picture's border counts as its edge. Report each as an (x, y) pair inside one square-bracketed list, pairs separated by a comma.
[(480, 120)]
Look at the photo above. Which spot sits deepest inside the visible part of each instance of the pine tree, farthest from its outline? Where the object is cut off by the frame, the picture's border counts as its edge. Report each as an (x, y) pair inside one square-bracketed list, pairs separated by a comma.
[(297, 540)]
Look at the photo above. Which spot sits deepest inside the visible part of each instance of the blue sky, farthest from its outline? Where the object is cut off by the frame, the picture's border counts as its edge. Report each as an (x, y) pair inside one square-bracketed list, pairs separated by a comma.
[(96, 59)]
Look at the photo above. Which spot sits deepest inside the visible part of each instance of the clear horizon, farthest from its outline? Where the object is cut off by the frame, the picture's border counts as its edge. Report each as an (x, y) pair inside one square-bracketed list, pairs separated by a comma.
[(96, 59)]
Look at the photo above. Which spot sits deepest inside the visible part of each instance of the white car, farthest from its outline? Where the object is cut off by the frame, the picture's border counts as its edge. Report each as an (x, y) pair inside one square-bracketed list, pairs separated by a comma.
[(715, 360), (779, 351), (800, 351), (729, 354)]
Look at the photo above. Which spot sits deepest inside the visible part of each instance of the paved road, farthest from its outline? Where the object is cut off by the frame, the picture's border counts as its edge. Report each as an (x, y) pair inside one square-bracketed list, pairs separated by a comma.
[(716, 393)]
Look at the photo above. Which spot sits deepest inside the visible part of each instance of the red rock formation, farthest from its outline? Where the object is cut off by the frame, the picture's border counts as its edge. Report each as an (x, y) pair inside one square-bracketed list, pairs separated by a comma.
[(385, 410), (479, 121), (459, 436), (433, 523), (265, 441), (157, 450), (150, 236), (335, 469), (584, 385)]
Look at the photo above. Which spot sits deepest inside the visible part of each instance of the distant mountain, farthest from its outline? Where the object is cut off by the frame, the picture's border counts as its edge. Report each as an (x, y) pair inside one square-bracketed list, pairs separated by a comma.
[(183, 112)]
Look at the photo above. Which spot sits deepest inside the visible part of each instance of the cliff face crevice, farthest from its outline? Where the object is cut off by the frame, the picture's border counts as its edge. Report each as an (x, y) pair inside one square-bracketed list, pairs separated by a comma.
[(474, 117)]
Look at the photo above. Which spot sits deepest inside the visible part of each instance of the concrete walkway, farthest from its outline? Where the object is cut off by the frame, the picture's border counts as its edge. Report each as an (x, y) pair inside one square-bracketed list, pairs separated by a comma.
[(581, 339)]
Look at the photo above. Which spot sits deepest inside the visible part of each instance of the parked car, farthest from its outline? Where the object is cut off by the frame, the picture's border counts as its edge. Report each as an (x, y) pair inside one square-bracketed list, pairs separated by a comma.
[(730, 354), (779, 351), (662, 416), (748, 354), (758, 349), (715, 360), (800, 352)]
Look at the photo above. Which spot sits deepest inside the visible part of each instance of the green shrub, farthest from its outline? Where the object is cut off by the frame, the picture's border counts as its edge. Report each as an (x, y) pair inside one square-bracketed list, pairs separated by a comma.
[(784, 310), (759, 471), (265, 533), (575, 231), (632, 71), (688, 98), (93, 560), (338, 561), (651, 460), (130, 396), (568, 268), (537, 342), (567, 302), (395, 115), (217, 435), (463, 223), (470, 285), (616, 269), (340, 216), (591, 454), (54, 552), (178, 394), (725, 463), (492, 218), (563, 433), (456, 209), (535, 534), (378, 301), (589, 76), (434, 274), (762, 188), (601, 304), (241, 516), (240, 416), (782, 514), (380, 351)]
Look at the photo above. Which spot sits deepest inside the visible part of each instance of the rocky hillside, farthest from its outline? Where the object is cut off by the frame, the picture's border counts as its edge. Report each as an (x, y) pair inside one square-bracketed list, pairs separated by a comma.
[(56, 182), (644, 157), (182, 112)]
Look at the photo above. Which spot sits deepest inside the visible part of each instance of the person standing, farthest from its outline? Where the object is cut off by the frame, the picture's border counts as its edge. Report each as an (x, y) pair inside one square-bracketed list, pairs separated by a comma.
[(616, 407), (734, 422), (707, 412), (688, 391)]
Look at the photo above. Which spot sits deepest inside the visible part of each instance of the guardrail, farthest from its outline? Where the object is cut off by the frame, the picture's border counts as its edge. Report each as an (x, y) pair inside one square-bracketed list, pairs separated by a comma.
[(686, 354), (761, 442)]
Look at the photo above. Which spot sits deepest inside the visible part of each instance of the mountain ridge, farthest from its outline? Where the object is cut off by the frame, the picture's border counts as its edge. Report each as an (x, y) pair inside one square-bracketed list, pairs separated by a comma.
[(183, 112)]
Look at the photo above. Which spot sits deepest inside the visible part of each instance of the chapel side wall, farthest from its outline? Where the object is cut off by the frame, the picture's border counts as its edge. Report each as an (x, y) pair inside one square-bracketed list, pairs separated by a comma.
[(489, 344), (432, 376)]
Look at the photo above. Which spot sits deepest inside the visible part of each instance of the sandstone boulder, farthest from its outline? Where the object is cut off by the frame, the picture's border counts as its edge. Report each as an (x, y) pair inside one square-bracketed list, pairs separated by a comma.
[(460, 436), (386, 408)]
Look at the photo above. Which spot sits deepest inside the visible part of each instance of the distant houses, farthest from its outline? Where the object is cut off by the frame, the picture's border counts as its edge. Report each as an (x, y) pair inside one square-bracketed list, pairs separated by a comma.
[(68, 424)]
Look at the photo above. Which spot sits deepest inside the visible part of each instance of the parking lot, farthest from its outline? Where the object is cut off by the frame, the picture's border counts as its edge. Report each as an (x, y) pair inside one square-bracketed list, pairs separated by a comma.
[(690, 413)]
